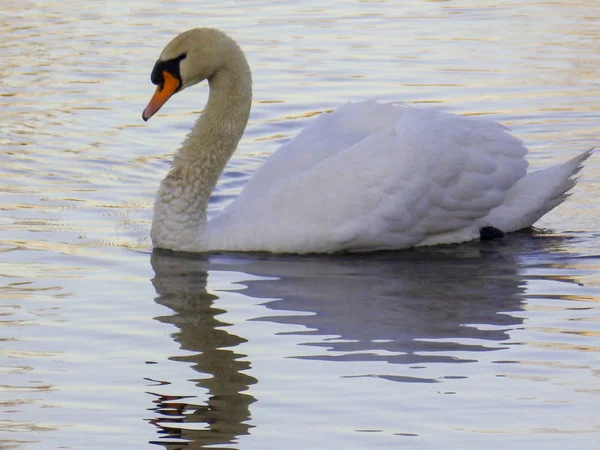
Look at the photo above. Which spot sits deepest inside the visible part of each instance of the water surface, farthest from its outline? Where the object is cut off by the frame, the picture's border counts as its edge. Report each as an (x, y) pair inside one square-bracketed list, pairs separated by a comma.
[(107, 345)]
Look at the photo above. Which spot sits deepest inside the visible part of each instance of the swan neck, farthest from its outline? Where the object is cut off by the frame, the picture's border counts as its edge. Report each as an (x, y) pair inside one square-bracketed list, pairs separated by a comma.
[(182, 200), (218, 130)]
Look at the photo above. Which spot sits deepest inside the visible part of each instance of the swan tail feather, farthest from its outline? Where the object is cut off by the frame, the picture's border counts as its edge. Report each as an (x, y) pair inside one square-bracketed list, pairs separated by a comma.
[(536, 194)]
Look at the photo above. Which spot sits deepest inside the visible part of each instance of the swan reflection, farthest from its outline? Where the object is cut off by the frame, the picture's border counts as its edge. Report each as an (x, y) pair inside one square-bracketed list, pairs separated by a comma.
[(181, 286), (438, 305)]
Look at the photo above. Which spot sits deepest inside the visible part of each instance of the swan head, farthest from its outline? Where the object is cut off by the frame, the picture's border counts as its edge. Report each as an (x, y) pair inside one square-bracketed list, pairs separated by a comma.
[(191, 57)]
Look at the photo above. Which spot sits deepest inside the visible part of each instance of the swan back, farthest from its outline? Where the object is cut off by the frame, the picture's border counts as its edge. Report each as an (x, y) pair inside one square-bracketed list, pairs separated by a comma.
[(395, 177)]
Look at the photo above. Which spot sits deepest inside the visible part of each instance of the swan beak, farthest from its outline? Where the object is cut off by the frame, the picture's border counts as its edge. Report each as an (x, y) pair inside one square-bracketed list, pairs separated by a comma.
[(163, 92)]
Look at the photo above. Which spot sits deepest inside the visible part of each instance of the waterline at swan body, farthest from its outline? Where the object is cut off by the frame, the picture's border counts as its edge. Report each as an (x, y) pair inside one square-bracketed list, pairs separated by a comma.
[(367, 177)]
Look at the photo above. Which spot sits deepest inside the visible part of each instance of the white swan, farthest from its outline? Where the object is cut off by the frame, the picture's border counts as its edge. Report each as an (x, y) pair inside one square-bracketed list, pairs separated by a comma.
[(366, 177)]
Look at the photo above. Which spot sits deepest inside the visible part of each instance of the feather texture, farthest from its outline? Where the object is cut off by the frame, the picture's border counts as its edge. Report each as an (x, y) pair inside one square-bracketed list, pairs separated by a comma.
[(375, 176)]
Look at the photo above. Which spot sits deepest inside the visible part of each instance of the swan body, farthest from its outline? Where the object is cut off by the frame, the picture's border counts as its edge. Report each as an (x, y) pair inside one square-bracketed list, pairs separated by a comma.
[(369, 176)]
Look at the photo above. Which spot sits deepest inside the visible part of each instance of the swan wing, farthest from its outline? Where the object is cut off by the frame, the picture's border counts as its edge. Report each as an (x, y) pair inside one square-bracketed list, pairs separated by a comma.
[(375, 176), (322, 138)]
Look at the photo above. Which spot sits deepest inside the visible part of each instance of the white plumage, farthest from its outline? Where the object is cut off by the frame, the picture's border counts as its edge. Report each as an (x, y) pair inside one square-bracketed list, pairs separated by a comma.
[(366, 177)]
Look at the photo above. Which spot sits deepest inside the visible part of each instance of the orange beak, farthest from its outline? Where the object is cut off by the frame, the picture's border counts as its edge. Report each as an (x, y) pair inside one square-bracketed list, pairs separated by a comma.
[(161, 95)]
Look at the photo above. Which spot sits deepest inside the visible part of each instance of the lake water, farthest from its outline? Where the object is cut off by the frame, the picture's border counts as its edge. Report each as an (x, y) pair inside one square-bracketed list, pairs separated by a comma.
[(105, 345)]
